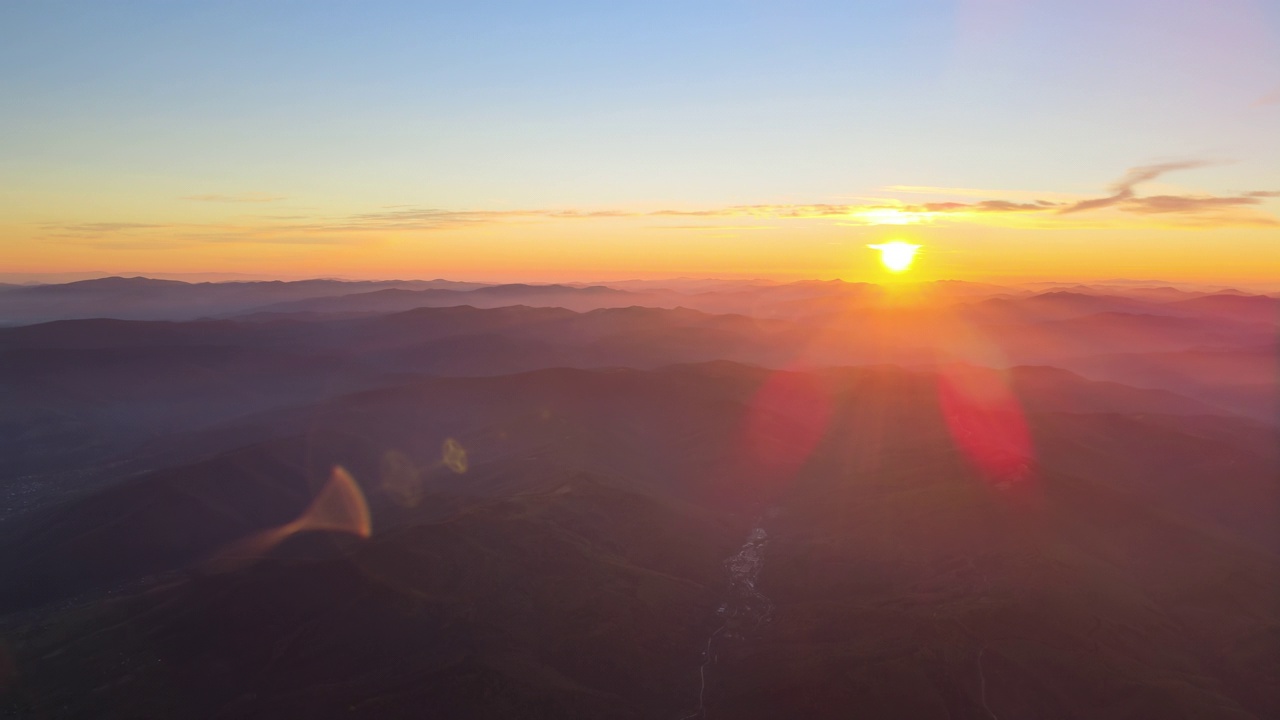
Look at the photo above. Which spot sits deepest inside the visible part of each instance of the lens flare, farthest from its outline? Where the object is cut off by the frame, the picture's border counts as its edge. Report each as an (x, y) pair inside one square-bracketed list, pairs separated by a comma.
[(785, 421), (454, 456), (986, 422), (339, 507), (897, 256), (401, 479)]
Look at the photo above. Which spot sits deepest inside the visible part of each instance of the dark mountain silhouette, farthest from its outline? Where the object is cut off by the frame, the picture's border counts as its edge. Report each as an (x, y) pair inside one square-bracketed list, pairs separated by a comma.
[(1242, 380), (813, 499), (497, 416), (398, 300), (1057, 305), (83, 395), (574, 567), (1111, 333), (139, 298), (1255, 308)]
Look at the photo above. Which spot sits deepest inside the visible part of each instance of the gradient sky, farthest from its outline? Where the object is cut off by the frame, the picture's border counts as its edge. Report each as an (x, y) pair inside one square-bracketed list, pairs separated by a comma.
[(567, 140)]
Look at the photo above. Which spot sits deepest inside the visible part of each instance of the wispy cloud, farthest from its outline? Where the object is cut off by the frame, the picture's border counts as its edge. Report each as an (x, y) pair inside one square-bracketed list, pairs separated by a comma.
[(275, 239), (244, 197), (1056, 210), (141, 236), (1023, 195), (714, 227), (1186, 204), (819, 210), (1271, 98), (990, 206), (1192, 210), (101, 228), (1123, 190)]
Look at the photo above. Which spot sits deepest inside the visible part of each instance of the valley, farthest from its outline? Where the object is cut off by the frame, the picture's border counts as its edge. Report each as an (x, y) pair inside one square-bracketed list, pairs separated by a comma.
[(632, 513)]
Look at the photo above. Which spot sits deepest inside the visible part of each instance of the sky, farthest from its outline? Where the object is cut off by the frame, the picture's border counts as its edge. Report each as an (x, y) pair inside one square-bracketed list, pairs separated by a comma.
[(1011, 139)]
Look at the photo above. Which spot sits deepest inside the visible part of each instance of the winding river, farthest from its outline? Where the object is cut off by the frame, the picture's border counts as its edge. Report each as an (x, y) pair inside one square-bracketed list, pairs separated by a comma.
[(745, 608)]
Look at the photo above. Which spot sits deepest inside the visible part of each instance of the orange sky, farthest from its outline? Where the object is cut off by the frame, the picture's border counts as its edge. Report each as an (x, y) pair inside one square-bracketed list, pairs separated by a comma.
[(573, 142), (540, 246)]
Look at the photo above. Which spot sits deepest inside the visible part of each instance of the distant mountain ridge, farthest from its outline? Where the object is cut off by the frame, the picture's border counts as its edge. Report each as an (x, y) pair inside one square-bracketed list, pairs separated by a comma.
[(953, 501), (141, 298)]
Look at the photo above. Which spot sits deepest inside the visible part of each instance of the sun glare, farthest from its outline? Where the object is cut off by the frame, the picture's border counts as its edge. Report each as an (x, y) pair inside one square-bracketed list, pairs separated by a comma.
[(896, 255)]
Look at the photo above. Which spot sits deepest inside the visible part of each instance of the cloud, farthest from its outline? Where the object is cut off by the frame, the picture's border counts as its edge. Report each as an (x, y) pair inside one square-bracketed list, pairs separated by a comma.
[(138, 236), (1182, 210), (1024, 195), (1196, 211), (1123, 190), (126, 243), (177, 241), (817, 210), (1233, 219), (88, 231), (261, 239), (1147, 173), (1193, 210), (990, 206), (244, 197), (714, 227), (591, 214), (1185, 204), (1271, 98), (1204, 211), (102, 228), (438, 219)]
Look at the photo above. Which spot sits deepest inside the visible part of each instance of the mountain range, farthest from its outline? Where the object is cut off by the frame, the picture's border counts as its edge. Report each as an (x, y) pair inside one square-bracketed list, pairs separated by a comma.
[(689, 499)]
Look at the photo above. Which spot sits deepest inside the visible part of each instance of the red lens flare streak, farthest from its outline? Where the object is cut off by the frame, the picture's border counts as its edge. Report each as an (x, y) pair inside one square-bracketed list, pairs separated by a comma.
[(986, 423), (785, 421)]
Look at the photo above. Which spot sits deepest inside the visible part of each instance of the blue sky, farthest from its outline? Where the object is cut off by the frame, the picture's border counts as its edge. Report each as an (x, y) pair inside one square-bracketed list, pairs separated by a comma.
[(115, 111)]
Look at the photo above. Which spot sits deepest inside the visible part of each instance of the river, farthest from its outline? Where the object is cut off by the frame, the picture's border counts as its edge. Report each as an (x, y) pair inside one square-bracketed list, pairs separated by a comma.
[(744, 609)]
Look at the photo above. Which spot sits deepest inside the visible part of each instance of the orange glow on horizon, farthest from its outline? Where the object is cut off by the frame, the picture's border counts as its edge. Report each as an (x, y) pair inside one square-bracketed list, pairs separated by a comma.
[(634, 246)]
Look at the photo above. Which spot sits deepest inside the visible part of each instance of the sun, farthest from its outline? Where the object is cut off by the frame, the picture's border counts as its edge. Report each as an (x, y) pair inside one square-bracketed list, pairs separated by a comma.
[(896, 255)]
